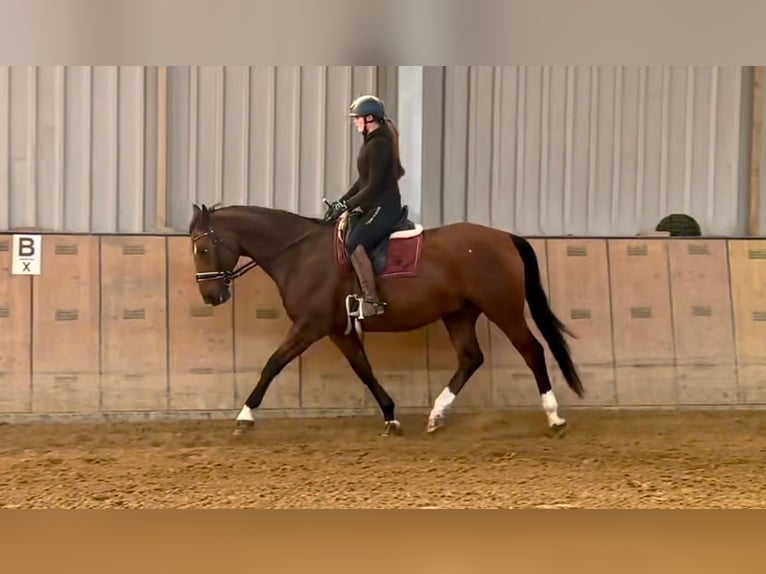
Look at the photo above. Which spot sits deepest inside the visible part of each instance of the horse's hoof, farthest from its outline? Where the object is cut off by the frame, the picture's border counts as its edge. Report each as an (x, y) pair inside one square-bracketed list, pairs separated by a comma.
[(435, 424), (243, 427), (393, 428), (557, 430)]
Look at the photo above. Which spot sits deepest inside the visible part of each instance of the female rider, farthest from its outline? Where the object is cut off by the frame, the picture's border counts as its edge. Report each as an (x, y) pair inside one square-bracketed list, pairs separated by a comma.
[(375, 193)]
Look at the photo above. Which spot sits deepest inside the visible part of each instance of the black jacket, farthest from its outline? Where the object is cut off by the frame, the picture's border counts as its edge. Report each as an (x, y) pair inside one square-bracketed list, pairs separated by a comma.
[(378, 174)]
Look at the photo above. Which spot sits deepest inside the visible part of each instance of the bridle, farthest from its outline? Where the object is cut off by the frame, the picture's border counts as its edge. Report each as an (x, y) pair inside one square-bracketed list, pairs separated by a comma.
[(229, 276)]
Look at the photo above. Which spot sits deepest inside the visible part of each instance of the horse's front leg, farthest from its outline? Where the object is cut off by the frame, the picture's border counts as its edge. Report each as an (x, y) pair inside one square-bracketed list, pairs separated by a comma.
[(300, 337)]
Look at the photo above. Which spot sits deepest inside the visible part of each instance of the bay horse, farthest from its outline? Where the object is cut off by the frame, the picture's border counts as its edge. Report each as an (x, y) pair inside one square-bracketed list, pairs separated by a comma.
[(455, 273)]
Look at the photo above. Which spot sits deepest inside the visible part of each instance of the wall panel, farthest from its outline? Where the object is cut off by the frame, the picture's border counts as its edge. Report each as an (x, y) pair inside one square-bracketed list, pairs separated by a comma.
[(748, 291), (702, 322), (580, 297), (200, 339), (15, 334), (134, 353), (642, 322), (66, 326)]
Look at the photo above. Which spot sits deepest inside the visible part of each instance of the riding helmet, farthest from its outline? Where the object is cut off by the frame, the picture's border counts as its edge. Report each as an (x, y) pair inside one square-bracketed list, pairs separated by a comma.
[(367, 105)]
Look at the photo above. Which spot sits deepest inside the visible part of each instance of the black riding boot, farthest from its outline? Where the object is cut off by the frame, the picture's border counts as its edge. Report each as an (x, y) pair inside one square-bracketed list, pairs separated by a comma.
[(364, 272)]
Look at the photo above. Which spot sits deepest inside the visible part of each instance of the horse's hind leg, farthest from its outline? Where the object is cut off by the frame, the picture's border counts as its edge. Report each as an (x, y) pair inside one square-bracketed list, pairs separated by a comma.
[(534, 355), (461, 327)]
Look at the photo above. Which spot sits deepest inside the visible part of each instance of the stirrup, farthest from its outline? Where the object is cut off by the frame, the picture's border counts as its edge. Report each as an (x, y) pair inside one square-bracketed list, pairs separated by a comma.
[(355, 307), (379, 307)]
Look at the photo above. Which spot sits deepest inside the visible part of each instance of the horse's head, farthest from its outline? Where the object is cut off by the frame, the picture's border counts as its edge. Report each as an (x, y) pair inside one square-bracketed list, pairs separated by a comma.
[(216, 252)]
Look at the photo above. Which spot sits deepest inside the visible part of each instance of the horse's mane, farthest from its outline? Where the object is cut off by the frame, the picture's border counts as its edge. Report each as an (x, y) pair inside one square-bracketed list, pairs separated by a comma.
[(257, 209)]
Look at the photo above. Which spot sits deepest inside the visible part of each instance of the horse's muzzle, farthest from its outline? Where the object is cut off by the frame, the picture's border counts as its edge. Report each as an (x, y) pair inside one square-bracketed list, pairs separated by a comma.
[(218, 298)]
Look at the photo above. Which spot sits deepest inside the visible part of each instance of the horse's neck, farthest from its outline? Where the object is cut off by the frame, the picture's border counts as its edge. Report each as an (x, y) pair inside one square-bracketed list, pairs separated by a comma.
[(270, 239)]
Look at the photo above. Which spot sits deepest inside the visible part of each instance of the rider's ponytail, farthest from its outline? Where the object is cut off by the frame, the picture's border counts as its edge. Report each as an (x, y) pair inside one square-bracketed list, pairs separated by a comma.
[(395, 136)]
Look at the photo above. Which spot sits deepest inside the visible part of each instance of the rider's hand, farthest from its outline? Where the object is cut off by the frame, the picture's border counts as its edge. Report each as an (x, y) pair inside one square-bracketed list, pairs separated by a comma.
[(335, 210)]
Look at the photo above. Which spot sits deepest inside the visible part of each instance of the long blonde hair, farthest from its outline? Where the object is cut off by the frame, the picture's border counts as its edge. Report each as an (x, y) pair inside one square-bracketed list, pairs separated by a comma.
[(391, 126)]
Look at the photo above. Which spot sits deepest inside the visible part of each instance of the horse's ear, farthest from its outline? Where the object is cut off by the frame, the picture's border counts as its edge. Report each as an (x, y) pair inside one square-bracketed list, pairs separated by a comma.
[(204, 216), (196, 212)]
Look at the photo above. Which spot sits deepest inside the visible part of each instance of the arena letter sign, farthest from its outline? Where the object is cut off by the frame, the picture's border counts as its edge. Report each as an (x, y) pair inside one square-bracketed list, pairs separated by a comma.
[(27, 251)]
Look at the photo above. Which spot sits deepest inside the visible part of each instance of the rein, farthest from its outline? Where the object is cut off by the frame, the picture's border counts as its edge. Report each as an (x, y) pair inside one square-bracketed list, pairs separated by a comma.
[(229, 276)]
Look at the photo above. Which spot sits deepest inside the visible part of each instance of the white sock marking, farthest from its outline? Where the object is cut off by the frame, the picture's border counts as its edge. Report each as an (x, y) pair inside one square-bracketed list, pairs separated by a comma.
[(550, 406), (246, 414), (442, 403)]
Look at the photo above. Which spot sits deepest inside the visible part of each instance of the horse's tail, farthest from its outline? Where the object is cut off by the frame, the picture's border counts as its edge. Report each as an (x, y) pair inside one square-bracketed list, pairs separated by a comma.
[(551, 328)]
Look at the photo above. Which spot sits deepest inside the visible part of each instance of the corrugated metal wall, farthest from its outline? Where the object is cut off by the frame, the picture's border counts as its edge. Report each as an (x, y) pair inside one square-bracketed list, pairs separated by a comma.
[(274, 136), (77, 147), (584, 149), (541, 150)]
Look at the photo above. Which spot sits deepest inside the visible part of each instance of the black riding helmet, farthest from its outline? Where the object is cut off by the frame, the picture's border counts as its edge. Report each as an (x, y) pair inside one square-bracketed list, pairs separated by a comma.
[(368, 105)]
